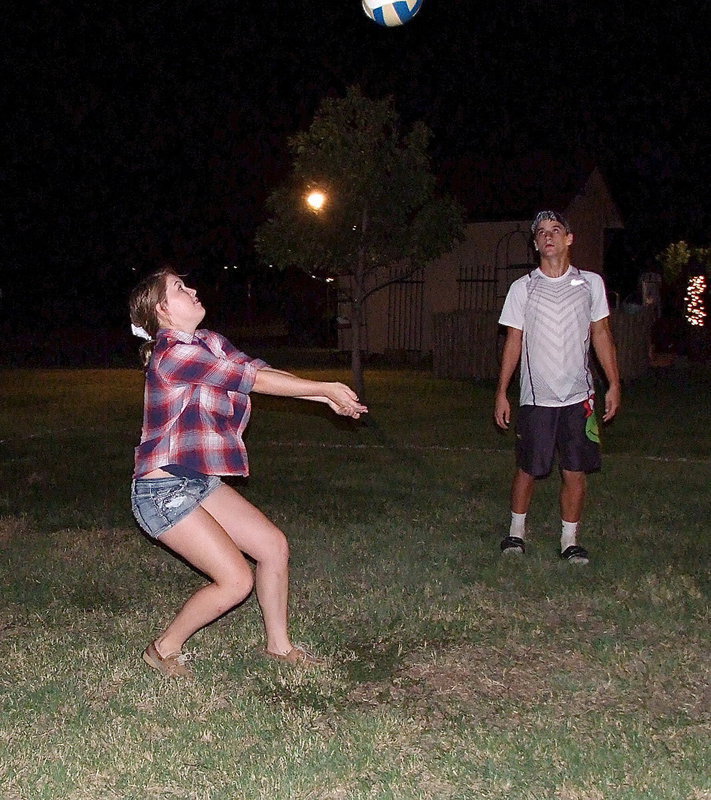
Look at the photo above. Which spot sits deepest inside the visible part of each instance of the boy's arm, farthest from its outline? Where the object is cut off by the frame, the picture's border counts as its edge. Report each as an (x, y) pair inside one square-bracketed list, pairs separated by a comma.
[(509, 362), (606, 352)]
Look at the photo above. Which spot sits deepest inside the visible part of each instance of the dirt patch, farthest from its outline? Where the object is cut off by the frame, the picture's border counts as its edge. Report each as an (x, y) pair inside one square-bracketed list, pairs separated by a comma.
[(501, 687), (573, 793), (473, 680)]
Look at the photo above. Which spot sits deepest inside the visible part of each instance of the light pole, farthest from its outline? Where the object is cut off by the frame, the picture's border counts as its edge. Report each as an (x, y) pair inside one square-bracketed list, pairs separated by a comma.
[(316, 200)]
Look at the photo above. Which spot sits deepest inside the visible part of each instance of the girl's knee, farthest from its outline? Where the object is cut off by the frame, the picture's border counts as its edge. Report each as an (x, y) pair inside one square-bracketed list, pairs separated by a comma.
[(277, 550), (282, 548), (245, 583), (237, 585)]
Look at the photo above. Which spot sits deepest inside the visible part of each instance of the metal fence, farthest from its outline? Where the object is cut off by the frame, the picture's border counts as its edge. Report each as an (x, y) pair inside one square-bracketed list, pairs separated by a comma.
[(477, 286), (405, 313)]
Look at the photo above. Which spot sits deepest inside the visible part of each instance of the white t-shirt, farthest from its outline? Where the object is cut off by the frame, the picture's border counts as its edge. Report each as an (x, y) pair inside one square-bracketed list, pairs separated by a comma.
[(555, 316)]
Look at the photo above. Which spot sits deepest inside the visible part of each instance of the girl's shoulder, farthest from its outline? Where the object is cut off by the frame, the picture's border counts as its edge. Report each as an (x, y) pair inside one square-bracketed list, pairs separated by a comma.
[(206, 333), (212, 339)]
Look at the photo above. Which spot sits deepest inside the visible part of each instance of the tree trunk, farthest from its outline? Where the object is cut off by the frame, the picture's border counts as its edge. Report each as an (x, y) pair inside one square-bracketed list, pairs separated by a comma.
[(357, 313), (356, 352)]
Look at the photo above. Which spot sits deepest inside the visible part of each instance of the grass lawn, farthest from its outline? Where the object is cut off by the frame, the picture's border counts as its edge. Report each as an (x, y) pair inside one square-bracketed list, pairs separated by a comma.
[(452, 673)]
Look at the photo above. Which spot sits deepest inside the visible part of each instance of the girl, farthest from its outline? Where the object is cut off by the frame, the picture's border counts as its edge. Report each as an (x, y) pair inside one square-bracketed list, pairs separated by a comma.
[(195, 410)]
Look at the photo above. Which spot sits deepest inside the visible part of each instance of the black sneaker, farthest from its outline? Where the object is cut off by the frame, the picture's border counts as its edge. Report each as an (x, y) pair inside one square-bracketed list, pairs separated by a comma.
[(575, 554), (512, 545)]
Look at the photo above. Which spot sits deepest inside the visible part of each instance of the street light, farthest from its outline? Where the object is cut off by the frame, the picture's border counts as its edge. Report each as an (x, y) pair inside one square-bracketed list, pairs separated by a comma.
[(316, 200)]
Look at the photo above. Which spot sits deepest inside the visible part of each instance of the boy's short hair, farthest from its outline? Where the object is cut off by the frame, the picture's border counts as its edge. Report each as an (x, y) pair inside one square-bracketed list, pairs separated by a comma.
[(550, 216)]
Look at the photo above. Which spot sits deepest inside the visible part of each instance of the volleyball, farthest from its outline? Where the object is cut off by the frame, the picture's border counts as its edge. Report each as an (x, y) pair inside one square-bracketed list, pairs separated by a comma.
[(390, 13)]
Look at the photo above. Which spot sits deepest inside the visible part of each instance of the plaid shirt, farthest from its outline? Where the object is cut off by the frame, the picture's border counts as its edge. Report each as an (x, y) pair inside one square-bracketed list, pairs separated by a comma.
[(196, 404)]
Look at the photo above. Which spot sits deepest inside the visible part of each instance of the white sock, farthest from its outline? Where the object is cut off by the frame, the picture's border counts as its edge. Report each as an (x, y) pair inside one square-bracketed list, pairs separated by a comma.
[(569, 533), (518, 525)]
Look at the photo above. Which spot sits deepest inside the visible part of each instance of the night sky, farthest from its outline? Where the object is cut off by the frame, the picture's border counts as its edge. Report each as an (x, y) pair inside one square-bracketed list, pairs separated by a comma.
[(155, 131)]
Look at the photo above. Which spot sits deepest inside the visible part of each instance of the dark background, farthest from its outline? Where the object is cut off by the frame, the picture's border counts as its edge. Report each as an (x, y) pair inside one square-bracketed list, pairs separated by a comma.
[(143, 132)]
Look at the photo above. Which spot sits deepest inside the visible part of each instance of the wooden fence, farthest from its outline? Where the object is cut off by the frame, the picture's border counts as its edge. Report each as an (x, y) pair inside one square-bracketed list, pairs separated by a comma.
[(464, 344), (467, 343), (633, 335)]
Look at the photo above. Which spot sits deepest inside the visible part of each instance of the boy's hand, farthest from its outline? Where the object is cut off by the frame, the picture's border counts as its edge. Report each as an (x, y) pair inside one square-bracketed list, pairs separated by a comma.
[(502, 411), (612, 403)]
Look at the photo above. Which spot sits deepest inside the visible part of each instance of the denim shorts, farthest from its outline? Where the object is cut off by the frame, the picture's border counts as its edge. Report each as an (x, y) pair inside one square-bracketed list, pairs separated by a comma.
[(160, 503)]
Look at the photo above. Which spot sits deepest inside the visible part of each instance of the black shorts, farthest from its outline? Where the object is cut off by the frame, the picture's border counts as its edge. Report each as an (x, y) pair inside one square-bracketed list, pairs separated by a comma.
[(542, 430)]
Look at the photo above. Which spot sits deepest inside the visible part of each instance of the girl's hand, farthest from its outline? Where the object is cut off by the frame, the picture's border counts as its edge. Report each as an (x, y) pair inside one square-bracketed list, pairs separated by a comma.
[(344, 401)]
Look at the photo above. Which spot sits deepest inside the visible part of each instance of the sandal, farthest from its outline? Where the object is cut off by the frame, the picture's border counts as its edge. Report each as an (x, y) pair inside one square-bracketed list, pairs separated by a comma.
[(172, 666), (513, 545), (298, 655), (575, 554)]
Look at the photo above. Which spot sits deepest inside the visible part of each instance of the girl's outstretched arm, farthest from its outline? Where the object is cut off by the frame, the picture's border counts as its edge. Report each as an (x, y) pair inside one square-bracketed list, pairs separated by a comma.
[(341, 398)]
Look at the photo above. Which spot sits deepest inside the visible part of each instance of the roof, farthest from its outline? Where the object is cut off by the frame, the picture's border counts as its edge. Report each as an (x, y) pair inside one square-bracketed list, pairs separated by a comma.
[(514, 188)]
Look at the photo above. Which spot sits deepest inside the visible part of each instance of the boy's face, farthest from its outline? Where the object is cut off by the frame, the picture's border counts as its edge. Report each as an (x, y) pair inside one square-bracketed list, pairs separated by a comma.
[(551, 238)]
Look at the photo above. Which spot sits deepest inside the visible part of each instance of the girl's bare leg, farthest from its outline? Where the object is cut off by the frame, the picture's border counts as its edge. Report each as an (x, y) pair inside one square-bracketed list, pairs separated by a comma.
[(253, 533), (201, 541)]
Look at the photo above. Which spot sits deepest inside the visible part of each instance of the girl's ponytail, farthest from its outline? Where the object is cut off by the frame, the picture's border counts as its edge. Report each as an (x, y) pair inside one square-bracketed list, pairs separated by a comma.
[(148, 294)]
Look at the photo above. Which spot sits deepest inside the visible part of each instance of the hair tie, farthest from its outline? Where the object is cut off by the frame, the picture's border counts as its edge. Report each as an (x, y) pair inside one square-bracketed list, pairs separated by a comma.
[(142, 333)]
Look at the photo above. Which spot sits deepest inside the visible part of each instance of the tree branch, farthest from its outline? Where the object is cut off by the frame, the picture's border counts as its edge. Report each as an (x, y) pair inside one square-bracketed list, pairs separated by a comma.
[(399, 279)]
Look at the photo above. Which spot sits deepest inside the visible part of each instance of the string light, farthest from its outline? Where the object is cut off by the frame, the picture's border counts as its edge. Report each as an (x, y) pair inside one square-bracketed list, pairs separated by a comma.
[(694, 301)]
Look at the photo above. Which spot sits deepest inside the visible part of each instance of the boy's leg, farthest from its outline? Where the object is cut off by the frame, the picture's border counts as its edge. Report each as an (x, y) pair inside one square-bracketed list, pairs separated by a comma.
[(579, 455), (535, 448), (521, 494), (572, 495), (572, 500), (522, 491)]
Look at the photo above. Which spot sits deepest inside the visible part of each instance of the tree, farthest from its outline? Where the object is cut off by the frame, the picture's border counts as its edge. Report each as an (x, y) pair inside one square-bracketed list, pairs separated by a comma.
[(380, 206), (686, 270), (681, 261)]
